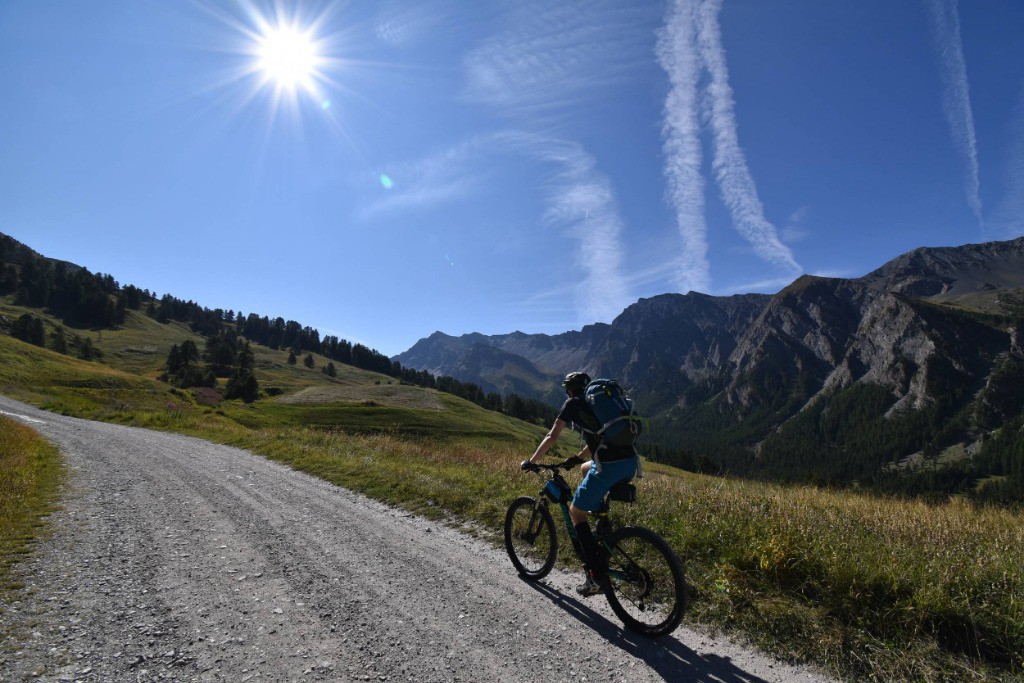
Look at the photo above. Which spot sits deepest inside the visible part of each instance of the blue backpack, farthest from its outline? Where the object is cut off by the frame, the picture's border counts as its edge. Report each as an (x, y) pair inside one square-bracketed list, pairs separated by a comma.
[(619, 426)]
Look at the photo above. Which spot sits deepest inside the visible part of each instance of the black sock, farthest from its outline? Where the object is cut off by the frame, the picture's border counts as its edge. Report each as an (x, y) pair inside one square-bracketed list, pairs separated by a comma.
[(589, 546)]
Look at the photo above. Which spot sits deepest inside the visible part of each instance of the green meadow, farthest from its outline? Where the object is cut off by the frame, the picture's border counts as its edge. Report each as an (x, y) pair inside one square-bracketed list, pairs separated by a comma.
[(866, 587)]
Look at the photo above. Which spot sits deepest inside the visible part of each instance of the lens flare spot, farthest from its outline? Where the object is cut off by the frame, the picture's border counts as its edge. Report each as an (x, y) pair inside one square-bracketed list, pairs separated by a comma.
[(386, 182)]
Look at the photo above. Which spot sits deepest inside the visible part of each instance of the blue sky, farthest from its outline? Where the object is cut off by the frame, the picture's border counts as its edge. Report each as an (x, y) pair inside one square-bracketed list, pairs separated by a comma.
[(498, 166)]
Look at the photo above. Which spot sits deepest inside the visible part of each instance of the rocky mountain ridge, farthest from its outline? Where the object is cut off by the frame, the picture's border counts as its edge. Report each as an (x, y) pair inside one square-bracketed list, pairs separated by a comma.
[(932, 329)]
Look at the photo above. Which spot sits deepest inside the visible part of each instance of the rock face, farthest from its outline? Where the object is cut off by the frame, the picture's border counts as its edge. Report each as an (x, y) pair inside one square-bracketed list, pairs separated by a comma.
[(947, 272), (930, 327), (672, 340)]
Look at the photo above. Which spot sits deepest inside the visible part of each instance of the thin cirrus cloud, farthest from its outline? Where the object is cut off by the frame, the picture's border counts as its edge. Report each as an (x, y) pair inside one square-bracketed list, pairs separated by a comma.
[(689, 47), (579, 202), (552, 55), (433, 180), (400, 23), (547, 58), (944, 24)]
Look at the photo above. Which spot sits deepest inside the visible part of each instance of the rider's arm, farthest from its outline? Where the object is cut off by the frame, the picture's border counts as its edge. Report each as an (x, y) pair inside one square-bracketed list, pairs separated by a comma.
[(549, 440)]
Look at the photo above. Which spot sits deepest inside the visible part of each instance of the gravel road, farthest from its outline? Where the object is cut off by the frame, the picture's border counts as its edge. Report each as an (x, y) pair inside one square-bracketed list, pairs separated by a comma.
[(176, 559)]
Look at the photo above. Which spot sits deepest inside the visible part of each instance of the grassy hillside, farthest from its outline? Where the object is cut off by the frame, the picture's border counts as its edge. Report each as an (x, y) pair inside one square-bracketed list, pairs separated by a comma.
[(866, 587)]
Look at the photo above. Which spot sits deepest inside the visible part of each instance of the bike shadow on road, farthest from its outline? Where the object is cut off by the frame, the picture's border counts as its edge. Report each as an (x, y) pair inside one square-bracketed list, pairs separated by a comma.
[(671, 659)]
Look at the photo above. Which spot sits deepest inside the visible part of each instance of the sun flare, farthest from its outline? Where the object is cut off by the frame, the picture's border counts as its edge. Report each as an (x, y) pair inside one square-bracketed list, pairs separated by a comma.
[(288, 58)]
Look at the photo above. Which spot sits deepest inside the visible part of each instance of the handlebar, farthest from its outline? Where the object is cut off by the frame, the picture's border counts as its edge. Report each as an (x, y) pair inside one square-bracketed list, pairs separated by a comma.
[(553, 467)]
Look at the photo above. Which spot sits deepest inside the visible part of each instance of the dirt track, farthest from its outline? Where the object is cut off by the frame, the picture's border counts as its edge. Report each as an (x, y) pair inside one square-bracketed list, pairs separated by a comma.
[(177, 559)]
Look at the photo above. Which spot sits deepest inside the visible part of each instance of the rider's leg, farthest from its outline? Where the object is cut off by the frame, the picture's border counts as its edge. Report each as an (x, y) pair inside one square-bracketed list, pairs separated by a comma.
[(576, 515), (586, 538), (589, 496)]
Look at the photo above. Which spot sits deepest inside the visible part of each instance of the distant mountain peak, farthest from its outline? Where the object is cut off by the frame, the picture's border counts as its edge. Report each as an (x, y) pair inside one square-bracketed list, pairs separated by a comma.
[(735, 370)]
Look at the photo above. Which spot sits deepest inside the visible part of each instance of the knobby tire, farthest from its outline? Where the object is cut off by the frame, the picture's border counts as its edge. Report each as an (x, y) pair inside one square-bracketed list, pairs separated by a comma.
[(646, 587), (530, 538)]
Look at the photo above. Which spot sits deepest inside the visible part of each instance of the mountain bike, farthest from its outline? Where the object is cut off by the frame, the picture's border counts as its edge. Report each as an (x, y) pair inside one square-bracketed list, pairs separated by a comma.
[(645, 585)]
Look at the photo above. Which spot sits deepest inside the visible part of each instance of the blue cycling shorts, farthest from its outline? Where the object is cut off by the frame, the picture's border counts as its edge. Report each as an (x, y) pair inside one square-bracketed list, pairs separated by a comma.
[(596, 485)]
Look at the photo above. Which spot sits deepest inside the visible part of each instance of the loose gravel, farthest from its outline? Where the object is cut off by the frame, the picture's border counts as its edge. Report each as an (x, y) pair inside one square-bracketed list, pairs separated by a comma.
[(176, 559)]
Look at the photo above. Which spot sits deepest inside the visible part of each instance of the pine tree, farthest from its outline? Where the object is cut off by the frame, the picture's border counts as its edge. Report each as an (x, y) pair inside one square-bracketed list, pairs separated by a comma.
[(58, 340), (308, 360), (29, 328), (242, 385), (86, 351), (246, 358), (189, 352)]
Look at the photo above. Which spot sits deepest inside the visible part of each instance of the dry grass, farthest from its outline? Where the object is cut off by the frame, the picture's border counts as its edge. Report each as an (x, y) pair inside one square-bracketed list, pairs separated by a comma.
[(884, 588)]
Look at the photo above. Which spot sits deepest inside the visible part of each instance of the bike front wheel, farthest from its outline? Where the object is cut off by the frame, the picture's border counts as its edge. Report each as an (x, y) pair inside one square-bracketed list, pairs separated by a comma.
[(646, 587), (530, 538)]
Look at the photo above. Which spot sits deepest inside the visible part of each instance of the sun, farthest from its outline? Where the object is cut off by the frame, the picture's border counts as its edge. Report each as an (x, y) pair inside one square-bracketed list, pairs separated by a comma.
[(281, 56), (288, 58)]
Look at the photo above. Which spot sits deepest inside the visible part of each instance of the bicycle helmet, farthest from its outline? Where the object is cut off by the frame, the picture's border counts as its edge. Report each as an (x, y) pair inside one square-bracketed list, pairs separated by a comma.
[(575, 382)]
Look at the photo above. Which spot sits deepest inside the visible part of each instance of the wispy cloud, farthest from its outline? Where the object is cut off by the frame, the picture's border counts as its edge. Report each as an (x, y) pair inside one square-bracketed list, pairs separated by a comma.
[(677, 53), (402, 23), (547, 58), (795, 229), (582, 203), (443, 176), (690, 48), (944, 23), (739, 193), (579, 202), (553, 54)]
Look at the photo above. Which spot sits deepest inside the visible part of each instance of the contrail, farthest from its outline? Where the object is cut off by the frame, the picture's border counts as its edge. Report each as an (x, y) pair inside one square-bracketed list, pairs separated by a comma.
[(677, 53), (944, 23), (739, 193), (690, 47)]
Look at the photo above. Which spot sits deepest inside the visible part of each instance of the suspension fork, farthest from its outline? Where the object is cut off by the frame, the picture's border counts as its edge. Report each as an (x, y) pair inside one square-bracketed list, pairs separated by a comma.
[(533, 525)]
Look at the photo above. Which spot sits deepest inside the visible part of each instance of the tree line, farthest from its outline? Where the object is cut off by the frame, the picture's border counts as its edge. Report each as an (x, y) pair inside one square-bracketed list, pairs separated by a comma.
[(84, 299)]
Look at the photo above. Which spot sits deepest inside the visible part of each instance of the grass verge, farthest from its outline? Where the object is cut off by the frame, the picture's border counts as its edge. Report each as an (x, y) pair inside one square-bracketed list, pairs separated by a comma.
[(30, 474)]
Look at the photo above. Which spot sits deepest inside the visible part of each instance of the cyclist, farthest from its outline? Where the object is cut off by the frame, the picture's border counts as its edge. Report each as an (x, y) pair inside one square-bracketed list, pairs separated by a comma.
[(616, 464)]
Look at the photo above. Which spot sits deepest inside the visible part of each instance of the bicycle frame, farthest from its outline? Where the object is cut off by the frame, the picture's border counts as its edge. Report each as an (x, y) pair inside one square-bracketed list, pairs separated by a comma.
[(602, 529)]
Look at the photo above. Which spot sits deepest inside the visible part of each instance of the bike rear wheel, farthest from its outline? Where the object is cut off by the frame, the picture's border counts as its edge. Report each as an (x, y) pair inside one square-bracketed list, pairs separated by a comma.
[(646, 587), (530, 538)]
